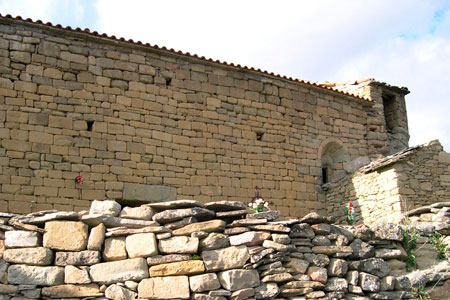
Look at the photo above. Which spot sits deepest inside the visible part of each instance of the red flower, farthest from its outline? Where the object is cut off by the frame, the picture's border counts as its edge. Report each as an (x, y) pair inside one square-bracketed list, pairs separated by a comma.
[(350, 212), (79, 179)]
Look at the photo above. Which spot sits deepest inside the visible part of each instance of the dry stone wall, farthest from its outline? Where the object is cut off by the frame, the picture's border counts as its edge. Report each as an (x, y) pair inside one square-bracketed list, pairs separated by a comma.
[(186, 250), (410, 179), (424, 178), (144, 124), (373, 195)]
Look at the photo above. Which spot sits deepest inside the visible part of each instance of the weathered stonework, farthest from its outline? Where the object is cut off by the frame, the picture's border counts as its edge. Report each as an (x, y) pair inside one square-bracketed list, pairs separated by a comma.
[(66, 235), (356, 262), (145, 124)]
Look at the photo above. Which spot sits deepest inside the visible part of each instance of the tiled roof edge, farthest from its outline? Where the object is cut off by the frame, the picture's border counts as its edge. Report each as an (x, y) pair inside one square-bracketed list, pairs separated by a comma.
[(400, 89), (366, 81), (185, 54)]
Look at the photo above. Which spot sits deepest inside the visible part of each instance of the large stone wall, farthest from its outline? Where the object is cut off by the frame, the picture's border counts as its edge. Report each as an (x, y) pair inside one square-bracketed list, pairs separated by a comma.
[(394, 185), (217, 251), (139, 122)]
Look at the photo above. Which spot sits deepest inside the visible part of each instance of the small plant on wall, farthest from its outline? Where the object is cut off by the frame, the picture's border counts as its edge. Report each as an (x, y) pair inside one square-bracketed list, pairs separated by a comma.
[(437, 241), (258, 204), (420, 293), (409, 243), (79, 179), (350, 212)]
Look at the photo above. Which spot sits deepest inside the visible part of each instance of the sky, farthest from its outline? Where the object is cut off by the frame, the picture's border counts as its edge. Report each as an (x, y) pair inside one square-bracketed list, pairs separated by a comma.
[(401, 42)]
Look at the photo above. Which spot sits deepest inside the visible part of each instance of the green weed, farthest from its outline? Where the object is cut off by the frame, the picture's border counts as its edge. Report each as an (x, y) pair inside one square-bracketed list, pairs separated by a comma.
[(421, 294), (436, 241), (409, 243)]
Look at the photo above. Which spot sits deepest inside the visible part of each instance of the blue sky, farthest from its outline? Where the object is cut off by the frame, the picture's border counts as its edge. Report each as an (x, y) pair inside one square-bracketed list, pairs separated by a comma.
[(402, 42)]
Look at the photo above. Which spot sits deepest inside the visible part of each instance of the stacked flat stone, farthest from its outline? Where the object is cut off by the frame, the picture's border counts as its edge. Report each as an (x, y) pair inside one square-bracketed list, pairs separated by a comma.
[(187, 250), (430, 218)]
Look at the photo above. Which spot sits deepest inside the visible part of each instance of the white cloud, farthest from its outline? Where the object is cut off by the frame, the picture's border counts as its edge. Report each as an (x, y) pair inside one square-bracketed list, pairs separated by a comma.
[(291, 37), (314, 40), (65, 12), (422, 65), (36, 10)]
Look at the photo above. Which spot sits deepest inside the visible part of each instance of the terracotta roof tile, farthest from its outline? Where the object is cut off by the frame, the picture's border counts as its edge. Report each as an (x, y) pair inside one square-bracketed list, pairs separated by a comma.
[(187, 54), (356, 84)]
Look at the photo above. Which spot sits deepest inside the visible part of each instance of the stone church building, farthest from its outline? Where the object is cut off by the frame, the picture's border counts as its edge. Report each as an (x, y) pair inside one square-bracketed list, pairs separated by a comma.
[(88, 116)]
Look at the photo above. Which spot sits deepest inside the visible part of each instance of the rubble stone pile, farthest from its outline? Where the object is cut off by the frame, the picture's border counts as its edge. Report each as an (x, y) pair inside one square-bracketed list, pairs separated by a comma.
[(187, 250), (430, 218)]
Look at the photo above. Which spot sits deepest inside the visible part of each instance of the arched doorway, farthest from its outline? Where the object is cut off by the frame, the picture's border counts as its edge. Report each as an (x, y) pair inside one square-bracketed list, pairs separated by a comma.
[(333, 156)]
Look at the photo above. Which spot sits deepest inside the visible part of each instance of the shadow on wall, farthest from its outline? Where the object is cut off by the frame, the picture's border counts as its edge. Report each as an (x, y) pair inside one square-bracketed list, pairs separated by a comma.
[(333, 156)]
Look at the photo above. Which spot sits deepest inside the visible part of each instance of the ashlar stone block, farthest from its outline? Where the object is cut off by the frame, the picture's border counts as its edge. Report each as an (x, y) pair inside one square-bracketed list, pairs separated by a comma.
[(179, 245), (114, 249), (119, 271), (233, 280), (225, 259), (96, 237), (204, 282), (46, 276), (157, 288), (22, 239), (141, 245), (72, 291), (105, 207), (78, 258), (187, 267), (115, 291), (148, 193), (66, 235), (30, 256), (75, 275)]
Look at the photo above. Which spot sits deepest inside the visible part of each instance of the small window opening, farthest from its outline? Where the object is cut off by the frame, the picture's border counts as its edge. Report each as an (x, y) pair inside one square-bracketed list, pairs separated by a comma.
[(324, 175), (90, 124), (259, 136), (333, 158), (390, 112), (168, 81)]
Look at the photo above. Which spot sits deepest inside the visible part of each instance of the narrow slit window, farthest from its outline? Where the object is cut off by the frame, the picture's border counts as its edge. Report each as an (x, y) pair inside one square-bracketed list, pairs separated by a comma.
[(324, 175), (90, 124), (390, 112), (259, 136)]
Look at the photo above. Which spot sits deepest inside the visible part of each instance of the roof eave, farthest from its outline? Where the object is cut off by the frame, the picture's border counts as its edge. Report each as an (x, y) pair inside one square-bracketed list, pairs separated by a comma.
[(95, 36)]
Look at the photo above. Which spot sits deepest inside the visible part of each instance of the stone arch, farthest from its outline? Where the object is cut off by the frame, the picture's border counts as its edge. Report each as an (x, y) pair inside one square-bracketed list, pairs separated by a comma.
[(333, 156)]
